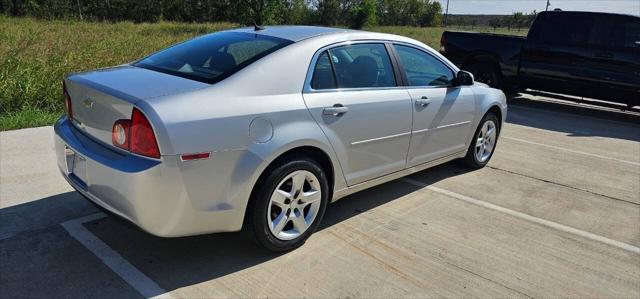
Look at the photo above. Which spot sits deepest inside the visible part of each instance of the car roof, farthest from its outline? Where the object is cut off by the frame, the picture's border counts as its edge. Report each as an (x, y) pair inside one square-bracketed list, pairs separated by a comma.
[(293, 33), (322, 36)]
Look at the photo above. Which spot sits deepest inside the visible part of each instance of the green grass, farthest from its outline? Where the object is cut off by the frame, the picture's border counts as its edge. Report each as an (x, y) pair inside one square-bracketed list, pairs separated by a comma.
[(26, 118), (36, 54)]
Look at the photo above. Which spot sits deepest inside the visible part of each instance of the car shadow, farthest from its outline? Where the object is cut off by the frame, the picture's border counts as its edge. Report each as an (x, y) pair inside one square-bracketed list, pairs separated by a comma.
[(174, 263), (572, 119), (42, 213)]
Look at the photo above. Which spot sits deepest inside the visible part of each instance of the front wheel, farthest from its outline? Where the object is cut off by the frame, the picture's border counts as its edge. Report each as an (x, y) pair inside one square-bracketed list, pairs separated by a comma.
[(484, 142), (288, 205)]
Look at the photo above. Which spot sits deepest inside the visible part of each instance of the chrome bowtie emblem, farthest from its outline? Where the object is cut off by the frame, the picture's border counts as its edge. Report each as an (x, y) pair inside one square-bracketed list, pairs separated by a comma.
[(88, 103)]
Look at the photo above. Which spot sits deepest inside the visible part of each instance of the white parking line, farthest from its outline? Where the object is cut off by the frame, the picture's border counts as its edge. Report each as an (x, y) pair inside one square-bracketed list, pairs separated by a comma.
[(574, 151), (143, 284), (544, 222)]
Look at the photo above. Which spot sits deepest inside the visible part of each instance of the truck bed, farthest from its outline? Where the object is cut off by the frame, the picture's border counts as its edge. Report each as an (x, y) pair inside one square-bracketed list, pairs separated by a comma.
[(458, 46)]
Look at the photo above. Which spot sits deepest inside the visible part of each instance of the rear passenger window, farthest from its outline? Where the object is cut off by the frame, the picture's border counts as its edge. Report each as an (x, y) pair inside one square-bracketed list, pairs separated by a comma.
[(323, 74), (362, 66)]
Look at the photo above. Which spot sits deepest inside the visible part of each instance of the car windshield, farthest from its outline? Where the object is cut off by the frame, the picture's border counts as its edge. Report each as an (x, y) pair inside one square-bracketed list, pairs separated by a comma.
[(213, 57)]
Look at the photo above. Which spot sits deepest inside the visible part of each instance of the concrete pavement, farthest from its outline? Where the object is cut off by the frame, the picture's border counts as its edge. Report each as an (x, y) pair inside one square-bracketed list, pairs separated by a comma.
[(555, 214)]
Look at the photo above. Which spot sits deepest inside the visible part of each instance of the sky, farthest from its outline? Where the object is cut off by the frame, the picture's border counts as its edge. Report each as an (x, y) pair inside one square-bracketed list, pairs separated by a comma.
[(480, 7)]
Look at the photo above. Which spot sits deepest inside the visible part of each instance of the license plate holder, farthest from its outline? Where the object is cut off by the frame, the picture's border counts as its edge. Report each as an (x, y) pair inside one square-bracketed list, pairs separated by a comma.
[(76, 167)]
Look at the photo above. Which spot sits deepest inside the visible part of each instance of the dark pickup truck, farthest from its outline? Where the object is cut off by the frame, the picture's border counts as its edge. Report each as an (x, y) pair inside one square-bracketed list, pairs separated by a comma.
[(584, 54)]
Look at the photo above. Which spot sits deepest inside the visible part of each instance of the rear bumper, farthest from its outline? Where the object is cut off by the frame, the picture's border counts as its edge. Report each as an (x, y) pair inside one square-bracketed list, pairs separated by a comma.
[(165, 197)]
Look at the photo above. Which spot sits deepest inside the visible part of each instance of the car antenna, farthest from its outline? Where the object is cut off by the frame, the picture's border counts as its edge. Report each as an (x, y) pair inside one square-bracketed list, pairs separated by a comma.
[(255, 26)]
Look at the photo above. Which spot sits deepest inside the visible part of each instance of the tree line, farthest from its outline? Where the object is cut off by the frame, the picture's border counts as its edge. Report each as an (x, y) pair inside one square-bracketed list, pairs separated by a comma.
[(517, 20), (348, 13)]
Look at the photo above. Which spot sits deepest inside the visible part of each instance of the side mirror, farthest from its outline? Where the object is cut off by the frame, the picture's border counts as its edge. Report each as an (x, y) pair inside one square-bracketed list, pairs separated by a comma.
[(463, 78)]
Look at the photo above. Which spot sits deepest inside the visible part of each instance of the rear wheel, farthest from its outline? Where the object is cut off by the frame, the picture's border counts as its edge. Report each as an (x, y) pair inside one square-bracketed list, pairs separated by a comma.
[(288, 205), (486, 73), (484, 142)]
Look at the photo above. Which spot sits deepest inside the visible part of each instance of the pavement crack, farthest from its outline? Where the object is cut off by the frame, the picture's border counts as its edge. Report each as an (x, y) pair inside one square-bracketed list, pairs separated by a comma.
[(485, 278), (562, 185)]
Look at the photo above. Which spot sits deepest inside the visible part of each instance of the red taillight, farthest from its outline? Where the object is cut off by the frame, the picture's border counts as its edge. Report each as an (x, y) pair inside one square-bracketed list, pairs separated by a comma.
[(142, 139), (120, 133), (67, 101), (443, 44), (135, 135)]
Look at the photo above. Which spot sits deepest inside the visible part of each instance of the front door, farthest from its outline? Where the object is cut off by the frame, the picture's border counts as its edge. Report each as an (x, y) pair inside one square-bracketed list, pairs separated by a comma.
[(442, 115), (354, 97)]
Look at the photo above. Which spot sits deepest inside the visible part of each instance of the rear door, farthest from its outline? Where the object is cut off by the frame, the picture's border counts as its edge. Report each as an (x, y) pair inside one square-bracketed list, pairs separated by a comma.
[(556, 54), (442, 114), (615, 66), (354, 96)]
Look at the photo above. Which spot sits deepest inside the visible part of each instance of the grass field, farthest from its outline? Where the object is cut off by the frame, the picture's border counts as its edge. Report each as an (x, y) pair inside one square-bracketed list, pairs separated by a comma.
[(35, 55)]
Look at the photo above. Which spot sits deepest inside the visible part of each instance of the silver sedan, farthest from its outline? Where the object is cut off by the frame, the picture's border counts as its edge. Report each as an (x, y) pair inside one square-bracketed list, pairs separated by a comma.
[(259, 129)]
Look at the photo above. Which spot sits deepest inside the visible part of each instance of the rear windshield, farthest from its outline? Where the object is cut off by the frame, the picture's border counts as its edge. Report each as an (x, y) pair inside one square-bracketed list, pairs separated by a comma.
[(213, 57)]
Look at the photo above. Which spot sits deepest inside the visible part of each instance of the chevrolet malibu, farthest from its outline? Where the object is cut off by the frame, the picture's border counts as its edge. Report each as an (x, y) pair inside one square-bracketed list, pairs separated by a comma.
[(258, 129)]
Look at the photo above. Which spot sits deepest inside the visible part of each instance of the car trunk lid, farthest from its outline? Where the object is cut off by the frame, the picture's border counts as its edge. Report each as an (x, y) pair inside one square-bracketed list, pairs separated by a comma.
[(100, 98)]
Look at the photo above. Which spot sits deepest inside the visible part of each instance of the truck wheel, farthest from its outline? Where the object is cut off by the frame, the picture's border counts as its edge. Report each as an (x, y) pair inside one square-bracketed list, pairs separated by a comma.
[(486, 73), (288, 205)]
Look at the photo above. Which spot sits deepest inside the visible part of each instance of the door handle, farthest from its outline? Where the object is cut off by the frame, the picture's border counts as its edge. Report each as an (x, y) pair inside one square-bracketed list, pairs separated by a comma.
[(423, 102), (336, 110)]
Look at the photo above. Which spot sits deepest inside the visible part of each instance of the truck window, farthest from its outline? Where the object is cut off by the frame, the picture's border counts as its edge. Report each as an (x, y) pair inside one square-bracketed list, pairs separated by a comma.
[(631, 34), (616, 32), (565, 29)]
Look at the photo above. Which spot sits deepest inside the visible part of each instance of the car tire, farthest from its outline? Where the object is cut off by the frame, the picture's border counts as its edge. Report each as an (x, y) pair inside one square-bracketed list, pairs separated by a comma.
[(269, 206), (483, 139), (486, 73)]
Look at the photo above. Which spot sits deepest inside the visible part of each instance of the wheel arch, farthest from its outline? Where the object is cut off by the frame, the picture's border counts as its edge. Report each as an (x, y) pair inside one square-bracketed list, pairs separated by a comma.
[(305, 150), (309, 151), (495, 109), (490, 100)]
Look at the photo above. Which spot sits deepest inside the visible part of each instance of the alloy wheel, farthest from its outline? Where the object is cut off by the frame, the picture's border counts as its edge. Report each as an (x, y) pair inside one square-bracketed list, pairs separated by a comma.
[(486, 141), (294, 205)]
